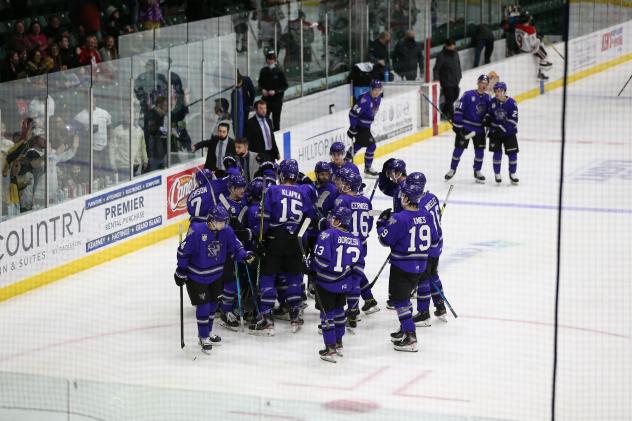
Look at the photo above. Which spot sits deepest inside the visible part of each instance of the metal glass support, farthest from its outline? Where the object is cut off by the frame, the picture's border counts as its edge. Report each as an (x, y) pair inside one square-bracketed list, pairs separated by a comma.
[(203, 112), (448, 22), (301, 59), (131, 126), (327, 48), (91, 137), (169, 116)]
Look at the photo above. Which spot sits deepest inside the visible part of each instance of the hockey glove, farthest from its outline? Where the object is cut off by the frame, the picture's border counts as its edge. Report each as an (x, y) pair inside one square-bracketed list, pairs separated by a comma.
[(307, 265), (229, 161), (386, 214), (352, 132), (244, 235), (457, 130), (234, 223), (260, 249), (180, 277), (250, 259)]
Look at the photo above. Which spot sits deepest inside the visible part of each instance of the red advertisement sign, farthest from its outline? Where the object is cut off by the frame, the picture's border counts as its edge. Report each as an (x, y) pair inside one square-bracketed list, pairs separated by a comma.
[(178, 188)]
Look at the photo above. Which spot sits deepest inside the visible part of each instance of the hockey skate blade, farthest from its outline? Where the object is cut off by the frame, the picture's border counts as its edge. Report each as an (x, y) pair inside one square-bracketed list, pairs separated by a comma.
[(329, 358), (266, 332), (443, 318), (372, 310), (295, 327), (406, 348), (227, 327), (480, 181), (423, 323)]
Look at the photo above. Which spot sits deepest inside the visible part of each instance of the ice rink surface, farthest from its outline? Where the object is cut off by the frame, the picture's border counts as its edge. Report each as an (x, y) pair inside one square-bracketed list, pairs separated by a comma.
[(117, 324)]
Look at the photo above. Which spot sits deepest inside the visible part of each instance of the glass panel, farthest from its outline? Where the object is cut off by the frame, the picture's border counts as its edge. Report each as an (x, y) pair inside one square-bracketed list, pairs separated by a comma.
[(338, 39), (202, 29), (70, 127), (228, 72), (440, 21), (150, 106), (289, 52), (170, 36), (186, 104), (136, 43), (266, 27), (313, 47), (212, 88), (457, 22), (111, 95)]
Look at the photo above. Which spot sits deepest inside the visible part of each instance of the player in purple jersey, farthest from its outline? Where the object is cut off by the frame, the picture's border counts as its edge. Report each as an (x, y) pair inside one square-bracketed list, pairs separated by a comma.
[(324, 184), (286, 205), (205, 196), (233, 203), (425, 289), (503, 114), (390, 180), (361, 224), (410, 235), (361, 118), (338, 161), (201, 258), (468, 123), (337, 255)]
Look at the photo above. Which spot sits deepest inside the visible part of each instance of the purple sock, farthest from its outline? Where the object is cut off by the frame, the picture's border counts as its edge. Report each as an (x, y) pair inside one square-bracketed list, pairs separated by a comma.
[(513, 162), (498, 159), (423, 295), (479, 153), (368, 155), (405, 315), (202, 313), (456, 157)]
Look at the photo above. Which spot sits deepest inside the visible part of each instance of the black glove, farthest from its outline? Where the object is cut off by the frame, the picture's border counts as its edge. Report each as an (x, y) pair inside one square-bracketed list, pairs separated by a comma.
[(250, 259), (243, 234), (234, 223), (260, 159), (307, 265), (457, 130), (180, 277), (487, 121), (352, 132), (229, 161), (386, 214), (260, 249)]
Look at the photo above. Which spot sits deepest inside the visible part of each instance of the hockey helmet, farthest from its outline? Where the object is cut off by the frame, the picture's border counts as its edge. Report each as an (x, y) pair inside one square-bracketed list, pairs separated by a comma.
[(337, 147), (417, 178), (501, 85), (203, 177), (254, 189), (342, 214), (411, 191), (375, 84), (235, 181), (483, 78), (322, 166), (217, 217), (288, 169), (397, 165)]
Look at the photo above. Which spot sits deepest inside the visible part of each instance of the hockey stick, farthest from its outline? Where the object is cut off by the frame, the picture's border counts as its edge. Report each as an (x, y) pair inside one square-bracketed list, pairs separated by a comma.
[(241, 308), (388, 259), (624, 86), (550, 44), (263, 193), (224, 202), (252, 288), (445, 117), (189, 353), (299, 237), (322, 198), (444, 299), (447, 196), (373, 191)]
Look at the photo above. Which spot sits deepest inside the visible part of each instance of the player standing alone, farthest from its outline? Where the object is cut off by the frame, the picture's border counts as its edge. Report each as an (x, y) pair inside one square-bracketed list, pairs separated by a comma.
[(469, 113), (503, 112), (360, 119)]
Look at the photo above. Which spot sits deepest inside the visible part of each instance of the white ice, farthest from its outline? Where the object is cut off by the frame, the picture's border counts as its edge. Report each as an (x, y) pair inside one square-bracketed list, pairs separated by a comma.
[(113, 331)]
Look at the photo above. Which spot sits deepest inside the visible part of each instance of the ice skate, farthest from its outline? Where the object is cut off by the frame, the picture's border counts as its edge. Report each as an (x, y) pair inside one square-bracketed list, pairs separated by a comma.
[(370, 173), (370, 306), (229, 321), (498, 178), (339, 348), (407, 344), (282, 312), (328, 354), (295, 320), (480, 178), (263, 327), (448, 176), (440, 311), (206, 345), (397, 336), (422, 319), (514, 179)]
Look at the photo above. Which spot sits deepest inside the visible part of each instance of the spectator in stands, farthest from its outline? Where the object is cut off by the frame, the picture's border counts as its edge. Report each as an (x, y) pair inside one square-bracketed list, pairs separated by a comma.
[(35, 65), (102, 158), (20, 189), (378, 50), (272, 83), (156, 140), (249, 161), (483, 39), (66, 53), (54, 29), (109, 52), (87, 14), (408, 57), (447, 70), (180, 138), (140, 160), (88, 54), (219, 146), (243, 96), (5, 145), (18, 41), (158, 112), (121, 136), (260, 133), (36, 38), (24, 59), (115, 25), (12, 69), (150, 85), (55, 157), (149, 14), (35, 161), (55, 57)]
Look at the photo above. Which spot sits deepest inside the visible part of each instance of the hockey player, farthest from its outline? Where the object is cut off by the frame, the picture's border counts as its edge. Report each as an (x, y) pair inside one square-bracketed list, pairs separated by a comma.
[(361, 225), (410, 234), (233, 203), (203, 198), (338, 161), (529, 42), (285, 207), (361, 118), (201, 258), (336, 255), (469, 113), (324, 184), (503, 113), (391, 178), (430, 278)]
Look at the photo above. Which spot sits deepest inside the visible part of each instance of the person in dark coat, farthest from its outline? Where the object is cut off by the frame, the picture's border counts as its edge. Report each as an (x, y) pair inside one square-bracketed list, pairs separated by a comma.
[(219, 147), (378, 50), (260, 134), (243, 97), (273, 83), (407, 57), (483, 38), (447, 70)]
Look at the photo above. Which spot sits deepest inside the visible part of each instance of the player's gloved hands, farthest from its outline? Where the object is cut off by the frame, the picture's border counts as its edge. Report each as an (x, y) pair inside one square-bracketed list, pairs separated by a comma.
[(180, 277), (250, 259), (229, 161), (352, 132), (385, 215), (243, 234), (234, 223), (303, 179), (260, 249), (307, 265), (457, 130), (467, 134), (322, 224), (487, 121)]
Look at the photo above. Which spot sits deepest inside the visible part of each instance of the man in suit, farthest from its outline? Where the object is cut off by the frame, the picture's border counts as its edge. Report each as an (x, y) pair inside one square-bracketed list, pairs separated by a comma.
[(249, 161), (219, 146), (260, 133)]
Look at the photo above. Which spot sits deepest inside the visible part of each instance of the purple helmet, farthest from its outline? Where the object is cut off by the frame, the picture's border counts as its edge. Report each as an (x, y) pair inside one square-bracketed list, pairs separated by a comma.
[(501, 85), (342, 214), (483, 78), (323, 166), (236, 181), (375, 84), (219, 214), (417, 178), (412, 191), (254, 189), (288, 169), (203, 176), (398, 165), (345, 175), (356, 182), (337, 147)]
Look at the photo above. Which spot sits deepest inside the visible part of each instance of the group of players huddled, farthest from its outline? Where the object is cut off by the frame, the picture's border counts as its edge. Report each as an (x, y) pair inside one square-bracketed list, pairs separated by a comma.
[(250, 246)]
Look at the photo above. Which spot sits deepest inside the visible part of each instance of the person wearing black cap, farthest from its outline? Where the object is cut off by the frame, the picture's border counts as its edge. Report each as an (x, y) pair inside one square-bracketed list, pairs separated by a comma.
[(272, 83), (447, 70)]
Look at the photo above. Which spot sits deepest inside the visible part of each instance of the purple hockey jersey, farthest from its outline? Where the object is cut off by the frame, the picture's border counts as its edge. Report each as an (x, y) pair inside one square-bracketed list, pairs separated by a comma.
[(470, 110), (336, 255)]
